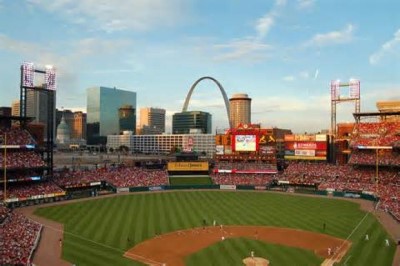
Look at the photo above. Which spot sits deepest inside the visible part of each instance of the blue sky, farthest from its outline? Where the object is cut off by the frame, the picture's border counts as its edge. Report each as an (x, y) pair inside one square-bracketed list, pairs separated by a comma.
[(282, 53)]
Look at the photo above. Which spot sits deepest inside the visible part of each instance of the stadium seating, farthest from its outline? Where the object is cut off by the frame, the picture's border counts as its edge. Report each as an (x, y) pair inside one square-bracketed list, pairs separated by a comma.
[(117, 176), (241, 179), (31, 189), (17, 136), (349, 178), (19, 236), (22, 159)]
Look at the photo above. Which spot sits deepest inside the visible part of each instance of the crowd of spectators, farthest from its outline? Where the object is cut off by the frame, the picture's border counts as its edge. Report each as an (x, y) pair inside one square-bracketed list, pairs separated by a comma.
[(16, 136), (349, 178), (117, 176), (19, 236), (226, 165), (369, 157), (22, 159), (376, 134), (30, 189), (136, 177), (242, 179)]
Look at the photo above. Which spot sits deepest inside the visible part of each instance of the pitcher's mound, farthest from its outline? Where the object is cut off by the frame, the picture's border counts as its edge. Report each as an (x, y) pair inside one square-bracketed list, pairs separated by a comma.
[(256, 261)]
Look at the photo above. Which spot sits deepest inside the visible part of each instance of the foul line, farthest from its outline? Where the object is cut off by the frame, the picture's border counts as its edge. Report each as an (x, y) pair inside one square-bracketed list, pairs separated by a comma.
[(83, 238), (148, 261), (352, 232)]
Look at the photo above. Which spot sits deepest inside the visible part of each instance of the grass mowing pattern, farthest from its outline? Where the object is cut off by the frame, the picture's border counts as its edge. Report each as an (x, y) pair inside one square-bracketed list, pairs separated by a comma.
[(190, 181), (111, 221)]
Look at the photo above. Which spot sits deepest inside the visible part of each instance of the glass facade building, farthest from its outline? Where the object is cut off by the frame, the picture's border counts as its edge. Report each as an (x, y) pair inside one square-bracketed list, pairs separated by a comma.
[(127, 118), (103, 105), (183, 122)]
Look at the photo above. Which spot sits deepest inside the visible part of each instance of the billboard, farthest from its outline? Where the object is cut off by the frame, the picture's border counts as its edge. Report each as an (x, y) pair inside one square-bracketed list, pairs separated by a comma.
[(245, 142), (306, 147), (187, 166), (219, 149)]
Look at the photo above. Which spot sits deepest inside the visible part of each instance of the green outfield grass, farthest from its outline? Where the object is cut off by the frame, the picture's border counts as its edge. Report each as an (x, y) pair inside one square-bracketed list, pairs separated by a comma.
[(97, 231), (204, 180)]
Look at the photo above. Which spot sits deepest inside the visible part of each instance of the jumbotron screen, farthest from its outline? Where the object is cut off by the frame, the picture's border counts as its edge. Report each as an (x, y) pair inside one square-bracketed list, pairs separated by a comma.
[(245, 142)]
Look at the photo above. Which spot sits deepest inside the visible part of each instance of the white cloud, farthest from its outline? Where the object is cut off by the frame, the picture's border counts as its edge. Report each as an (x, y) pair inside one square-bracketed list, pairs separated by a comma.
[(250, 50), (391, 47), (117, 15), (316, 74), (280, 2), (301, 75), (305, 4), (304, 74), (334, 37), (264, 24), (289, 78)]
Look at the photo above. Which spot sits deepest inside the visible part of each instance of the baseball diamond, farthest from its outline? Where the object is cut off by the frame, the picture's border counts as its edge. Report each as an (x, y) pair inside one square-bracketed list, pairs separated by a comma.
[(284, 229)]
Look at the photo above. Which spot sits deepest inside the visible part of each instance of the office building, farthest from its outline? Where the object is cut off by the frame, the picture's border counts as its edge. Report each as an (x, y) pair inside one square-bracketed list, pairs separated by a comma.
[(185, 122), (37, 107), (152, 121), (127, 118), (204, 144), (78, 129), (15, 108), (103, 105), (240, 109)]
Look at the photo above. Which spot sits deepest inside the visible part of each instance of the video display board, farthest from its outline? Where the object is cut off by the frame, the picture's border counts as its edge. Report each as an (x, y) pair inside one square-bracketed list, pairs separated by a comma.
[(245, 142)]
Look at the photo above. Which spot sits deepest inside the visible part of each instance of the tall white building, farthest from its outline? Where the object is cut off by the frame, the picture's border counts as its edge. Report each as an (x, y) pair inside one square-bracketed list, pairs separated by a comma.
[(152, 121), (15, 108), (240, 109), (164, 144)]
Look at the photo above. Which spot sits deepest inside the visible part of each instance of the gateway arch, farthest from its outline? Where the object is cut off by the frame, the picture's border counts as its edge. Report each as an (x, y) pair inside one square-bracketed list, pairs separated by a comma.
[(226, 100)]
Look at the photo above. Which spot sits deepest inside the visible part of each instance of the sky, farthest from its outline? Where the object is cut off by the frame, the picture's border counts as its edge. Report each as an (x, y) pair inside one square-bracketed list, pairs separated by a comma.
[(282, 53)]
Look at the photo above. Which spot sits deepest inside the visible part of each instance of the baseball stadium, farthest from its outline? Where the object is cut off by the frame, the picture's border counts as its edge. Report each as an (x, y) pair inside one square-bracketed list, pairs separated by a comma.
[(266, 197)]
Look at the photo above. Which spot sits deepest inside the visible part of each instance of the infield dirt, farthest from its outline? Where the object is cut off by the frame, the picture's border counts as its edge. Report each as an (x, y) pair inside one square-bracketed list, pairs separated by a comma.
[(172, 248)]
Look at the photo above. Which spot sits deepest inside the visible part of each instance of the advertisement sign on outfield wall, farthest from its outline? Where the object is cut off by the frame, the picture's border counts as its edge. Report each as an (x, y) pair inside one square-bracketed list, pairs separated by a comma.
[(227, 187), (187, 166)]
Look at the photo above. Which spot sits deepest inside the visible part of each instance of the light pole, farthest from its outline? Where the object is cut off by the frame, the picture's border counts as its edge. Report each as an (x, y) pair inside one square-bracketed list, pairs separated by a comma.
[(5, 165)]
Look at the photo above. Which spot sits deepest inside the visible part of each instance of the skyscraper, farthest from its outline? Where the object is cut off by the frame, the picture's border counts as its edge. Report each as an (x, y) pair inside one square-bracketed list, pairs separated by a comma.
[(15, 108), (240, 109), (152, 121), (37, 103), (184, 122), (78, 129), (127, 118), (102, 111)]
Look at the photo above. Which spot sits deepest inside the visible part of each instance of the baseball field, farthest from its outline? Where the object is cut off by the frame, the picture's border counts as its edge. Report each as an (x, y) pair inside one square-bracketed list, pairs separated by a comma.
[(178, 227)]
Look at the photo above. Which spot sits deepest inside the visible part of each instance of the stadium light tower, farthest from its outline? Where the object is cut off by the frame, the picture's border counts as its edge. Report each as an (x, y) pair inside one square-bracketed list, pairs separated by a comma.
[(353, 95)]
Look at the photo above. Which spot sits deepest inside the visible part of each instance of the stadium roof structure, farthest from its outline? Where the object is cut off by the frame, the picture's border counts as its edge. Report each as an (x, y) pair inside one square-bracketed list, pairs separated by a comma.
[(358, 116), (15, 118)]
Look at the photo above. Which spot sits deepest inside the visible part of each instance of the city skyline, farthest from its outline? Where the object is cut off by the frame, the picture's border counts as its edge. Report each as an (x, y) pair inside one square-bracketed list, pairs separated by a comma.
[(283, 54)]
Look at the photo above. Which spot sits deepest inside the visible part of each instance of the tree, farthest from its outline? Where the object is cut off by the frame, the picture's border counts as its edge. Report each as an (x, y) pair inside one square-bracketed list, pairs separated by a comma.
[(124, 148)]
